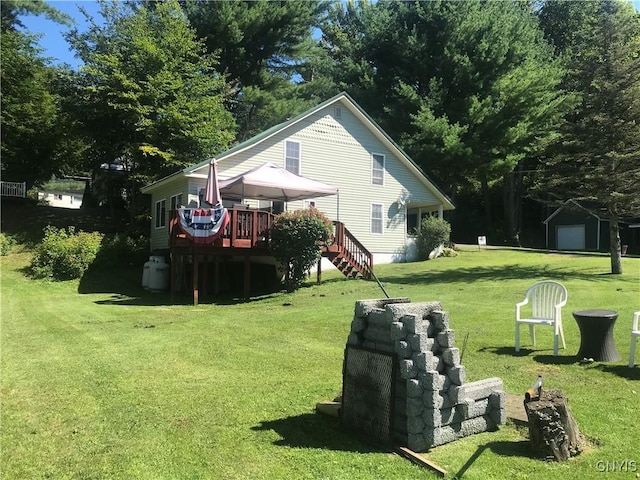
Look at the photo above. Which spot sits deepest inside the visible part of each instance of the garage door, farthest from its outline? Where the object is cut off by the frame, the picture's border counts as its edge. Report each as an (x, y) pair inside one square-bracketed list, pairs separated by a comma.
[(571, 237)]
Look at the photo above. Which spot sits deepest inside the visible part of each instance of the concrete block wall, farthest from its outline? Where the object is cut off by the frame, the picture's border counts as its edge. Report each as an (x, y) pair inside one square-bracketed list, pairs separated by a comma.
[(433, 402)]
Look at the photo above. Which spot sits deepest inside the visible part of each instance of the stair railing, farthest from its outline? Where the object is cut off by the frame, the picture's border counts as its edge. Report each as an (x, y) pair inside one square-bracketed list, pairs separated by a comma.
[(352, 250)]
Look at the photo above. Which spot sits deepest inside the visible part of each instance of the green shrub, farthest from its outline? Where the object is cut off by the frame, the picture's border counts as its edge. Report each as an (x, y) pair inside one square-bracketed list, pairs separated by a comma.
[(6, 243), (123, 249), (296, 240), (64, 254), (432, 232)]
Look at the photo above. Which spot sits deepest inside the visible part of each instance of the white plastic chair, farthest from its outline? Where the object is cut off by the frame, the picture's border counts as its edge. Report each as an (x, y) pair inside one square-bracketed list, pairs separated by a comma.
[(635, 333), (547, 299)]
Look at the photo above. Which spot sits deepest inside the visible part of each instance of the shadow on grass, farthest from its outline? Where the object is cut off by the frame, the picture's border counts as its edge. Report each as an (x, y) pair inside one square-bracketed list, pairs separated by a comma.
[(501, 272), (146, 298), (559, 360), (620, 370), (524, 352), (311, 430), (510, 351), (124, 285), (521, 448)]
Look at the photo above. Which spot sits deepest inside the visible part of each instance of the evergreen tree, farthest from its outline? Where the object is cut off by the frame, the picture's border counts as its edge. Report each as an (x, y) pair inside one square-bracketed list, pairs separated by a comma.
[(267, 52), (470, 89), (597, 158)]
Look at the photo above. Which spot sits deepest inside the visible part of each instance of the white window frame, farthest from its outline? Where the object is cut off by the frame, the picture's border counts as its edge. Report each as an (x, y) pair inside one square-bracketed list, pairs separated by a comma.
[(377, 219), (161, 213), (311, 202), (299, 159), (377, 180)]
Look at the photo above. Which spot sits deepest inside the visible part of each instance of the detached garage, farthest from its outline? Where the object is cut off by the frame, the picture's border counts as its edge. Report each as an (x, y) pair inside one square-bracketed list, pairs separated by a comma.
[(575, 227)]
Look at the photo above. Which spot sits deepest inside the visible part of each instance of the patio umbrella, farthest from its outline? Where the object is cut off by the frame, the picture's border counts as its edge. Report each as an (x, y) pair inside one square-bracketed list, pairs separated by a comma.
[(212, 191), (203, 225)]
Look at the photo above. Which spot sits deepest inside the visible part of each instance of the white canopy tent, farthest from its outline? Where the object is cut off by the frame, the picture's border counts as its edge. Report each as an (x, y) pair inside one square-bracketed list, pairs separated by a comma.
[(270, 182)]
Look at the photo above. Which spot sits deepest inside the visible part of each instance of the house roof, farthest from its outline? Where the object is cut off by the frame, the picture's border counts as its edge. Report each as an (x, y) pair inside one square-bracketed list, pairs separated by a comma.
[(347, 101)]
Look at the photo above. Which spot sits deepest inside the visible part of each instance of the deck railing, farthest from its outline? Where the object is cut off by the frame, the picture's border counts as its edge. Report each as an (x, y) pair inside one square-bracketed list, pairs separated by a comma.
[(352, 250), (13, 189), (246, 229)]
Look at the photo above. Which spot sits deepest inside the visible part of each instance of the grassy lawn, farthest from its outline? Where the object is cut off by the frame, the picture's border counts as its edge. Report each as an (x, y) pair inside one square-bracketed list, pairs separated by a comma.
[(102, 380)]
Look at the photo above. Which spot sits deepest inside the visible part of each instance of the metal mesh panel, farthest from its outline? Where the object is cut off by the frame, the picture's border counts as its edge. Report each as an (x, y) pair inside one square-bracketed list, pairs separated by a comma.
[(367, 393)]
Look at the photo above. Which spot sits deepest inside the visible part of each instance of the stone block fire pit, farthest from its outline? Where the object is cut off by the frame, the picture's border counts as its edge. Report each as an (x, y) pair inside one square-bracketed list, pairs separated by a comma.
[(403, 382)]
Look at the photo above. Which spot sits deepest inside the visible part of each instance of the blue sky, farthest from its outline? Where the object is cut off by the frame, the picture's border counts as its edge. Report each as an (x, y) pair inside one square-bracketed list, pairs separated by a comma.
[(53, 41)]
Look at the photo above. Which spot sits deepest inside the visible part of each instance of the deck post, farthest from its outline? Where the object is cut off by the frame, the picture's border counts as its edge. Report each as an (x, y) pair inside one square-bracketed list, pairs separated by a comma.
[(174, 272), (247, 275), (205, 275), (216, 274), (195, 279)]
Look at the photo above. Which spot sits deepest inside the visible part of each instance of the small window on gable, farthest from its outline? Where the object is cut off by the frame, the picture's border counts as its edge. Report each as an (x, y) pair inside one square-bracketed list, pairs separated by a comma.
[(292, 156), (377, 169), (161, 213), (377, 226), (337, 113)]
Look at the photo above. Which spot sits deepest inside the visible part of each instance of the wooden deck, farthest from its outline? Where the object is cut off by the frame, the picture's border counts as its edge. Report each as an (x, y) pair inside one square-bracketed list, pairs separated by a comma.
[(245, 237)]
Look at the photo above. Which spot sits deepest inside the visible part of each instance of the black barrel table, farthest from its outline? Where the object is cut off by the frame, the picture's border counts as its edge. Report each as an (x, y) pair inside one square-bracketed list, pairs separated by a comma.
[(596, 335)]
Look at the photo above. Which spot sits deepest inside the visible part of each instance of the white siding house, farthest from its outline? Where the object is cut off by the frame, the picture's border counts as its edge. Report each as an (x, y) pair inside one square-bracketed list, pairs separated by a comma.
[(338, 144), (61, 199)]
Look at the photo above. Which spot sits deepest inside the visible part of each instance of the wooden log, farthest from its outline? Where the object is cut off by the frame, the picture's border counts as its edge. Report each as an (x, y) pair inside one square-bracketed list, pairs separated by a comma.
[(553, 432), (421, 460)]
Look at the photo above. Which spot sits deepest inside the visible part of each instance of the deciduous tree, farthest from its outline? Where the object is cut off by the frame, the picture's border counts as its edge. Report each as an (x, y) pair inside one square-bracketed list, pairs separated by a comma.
[(30, 114), (149, 95)]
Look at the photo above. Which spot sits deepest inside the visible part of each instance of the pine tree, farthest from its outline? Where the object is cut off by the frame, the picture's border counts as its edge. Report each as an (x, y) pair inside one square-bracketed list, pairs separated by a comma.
[(598, 155)]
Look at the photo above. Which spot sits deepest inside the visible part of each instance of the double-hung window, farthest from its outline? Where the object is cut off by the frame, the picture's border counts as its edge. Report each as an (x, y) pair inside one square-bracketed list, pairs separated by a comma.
[(377, 226), (292, 156), (377, 169), (161, 213)]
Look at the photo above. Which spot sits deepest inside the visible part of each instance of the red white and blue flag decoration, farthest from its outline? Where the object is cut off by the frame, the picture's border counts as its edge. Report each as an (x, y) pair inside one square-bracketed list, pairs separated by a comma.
[(203, 225)]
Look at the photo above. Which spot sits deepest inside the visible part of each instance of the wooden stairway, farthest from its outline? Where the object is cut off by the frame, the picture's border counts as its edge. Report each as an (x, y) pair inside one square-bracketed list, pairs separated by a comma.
[(348, 254)]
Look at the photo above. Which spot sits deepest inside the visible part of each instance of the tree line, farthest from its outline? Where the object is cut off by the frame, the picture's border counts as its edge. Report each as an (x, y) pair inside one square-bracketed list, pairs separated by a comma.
[(498, 102)]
